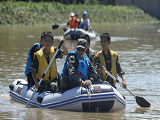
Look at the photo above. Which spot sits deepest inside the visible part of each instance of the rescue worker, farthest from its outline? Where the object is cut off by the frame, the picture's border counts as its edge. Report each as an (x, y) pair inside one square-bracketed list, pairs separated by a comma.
[(40, 63), (76, 69), (73, 22), (33, 49), (77, 20), (85, 24), (108, 59)]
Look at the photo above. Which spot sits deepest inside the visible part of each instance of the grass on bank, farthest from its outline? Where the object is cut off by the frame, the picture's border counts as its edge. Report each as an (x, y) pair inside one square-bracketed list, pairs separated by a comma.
[(30, 13)]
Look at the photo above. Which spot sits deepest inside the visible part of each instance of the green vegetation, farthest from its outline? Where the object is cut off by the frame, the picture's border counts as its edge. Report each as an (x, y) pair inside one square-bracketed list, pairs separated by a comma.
[(30, 13)]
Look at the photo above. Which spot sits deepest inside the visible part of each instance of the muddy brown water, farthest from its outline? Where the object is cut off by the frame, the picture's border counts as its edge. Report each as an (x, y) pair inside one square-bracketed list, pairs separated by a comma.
[(138, 47)]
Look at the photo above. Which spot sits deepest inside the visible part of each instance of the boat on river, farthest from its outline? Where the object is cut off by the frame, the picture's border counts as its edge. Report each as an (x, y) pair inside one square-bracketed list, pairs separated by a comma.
[(75, 33), (99, 98)]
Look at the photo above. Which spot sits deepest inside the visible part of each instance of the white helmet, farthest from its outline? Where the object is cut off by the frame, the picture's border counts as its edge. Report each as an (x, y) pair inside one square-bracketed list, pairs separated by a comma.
[(72, 14)]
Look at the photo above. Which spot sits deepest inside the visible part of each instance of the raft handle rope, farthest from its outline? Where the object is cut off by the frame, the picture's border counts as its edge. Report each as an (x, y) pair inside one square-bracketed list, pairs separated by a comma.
[(89, 91)]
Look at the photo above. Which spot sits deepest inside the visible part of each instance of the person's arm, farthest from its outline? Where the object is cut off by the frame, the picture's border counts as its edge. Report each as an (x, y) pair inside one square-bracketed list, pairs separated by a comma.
[(61, 52), (121, 73), (67, 23), (35, 79), (124, 82), (34, 67), (72, 64), (64, 47), (83, 21), (89, 26), (99, 70)]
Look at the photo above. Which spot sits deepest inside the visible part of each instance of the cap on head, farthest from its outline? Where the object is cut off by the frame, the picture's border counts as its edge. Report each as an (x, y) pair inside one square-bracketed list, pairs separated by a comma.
[(105, 35), (48, 33), (85, 13), (81, 43), (72, 14)]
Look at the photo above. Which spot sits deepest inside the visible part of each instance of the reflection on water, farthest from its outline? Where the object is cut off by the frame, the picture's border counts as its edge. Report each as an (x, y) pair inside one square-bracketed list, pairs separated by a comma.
[(71, 45), (138, 47), (20, 112)]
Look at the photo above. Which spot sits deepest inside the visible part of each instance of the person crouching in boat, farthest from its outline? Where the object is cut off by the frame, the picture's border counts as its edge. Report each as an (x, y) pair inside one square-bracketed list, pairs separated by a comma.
[(33, 49), (108, 59), (41, 61), (76, 69)]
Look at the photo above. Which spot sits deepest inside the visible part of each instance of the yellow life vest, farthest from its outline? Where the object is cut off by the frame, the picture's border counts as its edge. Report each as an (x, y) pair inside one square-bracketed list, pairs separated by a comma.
[(52, 71), (113, 65)]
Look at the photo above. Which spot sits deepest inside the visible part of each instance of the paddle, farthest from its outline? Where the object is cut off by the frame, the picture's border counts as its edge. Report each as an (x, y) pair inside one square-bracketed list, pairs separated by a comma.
[(140, 100), (96, 33), (45, 72), (56, 26)]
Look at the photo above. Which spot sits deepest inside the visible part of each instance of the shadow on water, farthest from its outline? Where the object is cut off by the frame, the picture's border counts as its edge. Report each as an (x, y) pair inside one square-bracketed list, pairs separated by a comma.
[(138, 48)]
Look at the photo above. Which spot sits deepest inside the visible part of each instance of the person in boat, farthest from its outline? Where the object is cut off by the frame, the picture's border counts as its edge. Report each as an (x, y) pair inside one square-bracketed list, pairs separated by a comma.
[(76, 69), (89, 51), (85, 24), (33, 49), (73, 21), (40, 63), (108, 59), (77, 20)]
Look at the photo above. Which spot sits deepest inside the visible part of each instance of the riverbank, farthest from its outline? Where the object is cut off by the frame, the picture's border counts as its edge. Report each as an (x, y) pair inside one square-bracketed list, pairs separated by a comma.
[(30, 13)]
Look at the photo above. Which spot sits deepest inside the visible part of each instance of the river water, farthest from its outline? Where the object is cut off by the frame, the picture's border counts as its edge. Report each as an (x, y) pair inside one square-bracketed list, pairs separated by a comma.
[(138, 47)]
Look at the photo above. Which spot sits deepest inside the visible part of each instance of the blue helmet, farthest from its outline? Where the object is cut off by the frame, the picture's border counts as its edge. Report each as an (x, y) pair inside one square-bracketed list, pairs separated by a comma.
[(85, 13)]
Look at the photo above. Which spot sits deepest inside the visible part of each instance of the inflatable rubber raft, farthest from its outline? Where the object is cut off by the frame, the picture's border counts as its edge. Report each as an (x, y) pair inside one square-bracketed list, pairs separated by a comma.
[(100, 98), (75, 33)]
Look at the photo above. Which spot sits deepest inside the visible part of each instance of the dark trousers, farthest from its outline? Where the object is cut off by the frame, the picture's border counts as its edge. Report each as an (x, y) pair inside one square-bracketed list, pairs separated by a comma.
[(48, 86), (65, 84)]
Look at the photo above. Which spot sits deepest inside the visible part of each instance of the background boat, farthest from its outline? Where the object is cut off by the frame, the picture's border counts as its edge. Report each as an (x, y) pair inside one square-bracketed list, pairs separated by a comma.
[(75, 33)]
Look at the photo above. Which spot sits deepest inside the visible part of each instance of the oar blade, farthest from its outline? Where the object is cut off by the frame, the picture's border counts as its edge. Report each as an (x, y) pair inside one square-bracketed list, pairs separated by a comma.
[(142, 102), (55, 26)]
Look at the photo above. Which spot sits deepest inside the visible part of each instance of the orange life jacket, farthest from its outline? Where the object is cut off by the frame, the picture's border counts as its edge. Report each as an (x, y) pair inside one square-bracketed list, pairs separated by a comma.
[(72, 22)]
